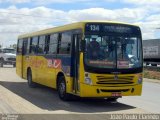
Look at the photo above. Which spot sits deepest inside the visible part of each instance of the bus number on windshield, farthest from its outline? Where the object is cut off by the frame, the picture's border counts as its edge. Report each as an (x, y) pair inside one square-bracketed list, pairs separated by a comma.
[(94, 27)]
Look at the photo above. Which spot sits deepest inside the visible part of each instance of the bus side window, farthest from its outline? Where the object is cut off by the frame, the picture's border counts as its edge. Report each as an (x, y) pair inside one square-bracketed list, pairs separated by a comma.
[(53, 43), (33, 46), (25, 45), (65, 43), (47, 40), (19, 46), (28, 46), (41, 45)]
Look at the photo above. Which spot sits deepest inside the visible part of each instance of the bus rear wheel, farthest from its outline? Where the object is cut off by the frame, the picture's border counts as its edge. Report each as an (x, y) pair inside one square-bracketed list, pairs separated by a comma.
[(63, 95), (31, 84)]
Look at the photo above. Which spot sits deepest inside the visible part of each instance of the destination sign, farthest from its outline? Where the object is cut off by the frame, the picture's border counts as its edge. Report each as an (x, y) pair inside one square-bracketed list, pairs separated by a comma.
[(111, 28), (118, 29)]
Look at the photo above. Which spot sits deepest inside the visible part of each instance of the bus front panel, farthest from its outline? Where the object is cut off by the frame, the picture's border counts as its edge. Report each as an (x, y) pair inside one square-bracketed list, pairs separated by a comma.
[(111, 64)]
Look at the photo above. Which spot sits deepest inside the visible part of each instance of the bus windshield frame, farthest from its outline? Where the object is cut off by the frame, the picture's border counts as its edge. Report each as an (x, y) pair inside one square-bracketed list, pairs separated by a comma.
[(122, 37)]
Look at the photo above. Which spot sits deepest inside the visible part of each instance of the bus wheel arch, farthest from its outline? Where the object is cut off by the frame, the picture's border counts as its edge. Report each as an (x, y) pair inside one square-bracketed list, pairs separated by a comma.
[(31, 84), (28, 71), (60, 74), (61, 87)]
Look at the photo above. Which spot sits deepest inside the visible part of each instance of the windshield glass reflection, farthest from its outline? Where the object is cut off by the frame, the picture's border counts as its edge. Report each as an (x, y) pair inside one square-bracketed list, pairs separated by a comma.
[(113, 51)]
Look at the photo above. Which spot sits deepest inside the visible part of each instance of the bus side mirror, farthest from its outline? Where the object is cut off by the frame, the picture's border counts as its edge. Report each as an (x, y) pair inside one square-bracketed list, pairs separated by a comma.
[(82, 45)]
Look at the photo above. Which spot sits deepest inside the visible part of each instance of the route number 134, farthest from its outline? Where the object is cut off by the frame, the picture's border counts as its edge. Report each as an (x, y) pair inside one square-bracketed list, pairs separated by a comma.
[(94, 27)]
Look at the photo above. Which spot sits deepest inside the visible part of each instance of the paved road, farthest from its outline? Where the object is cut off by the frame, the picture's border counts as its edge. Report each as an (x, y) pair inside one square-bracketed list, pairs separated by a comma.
[(16, 97), (150, 99)]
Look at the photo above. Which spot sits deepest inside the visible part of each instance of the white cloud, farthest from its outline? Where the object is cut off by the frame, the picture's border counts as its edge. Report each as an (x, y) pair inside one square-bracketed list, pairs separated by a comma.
[(143, 2), (44, 2), (125, 14), (41, 1), (14, 21), (155, 17), (14, 1), (148, 29)]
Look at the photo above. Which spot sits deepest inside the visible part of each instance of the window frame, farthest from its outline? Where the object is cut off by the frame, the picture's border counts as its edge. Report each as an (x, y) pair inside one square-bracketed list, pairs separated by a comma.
[(31, 45), (43, 44), (25, 47), (18, 46), (60, 42), (54, 43)]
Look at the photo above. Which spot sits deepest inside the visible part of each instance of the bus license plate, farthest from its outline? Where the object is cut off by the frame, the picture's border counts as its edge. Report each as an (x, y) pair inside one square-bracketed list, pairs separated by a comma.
[(116, 94)]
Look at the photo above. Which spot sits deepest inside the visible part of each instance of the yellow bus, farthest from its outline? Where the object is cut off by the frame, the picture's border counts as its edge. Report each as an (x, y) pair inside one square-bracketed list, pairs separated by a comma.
[(92, 59)]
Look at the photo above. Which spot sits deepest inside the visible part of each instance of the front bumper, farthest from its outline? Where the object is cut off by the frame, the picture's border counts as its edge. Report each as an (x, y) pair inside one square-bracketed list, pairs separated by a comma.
[(105, 91)]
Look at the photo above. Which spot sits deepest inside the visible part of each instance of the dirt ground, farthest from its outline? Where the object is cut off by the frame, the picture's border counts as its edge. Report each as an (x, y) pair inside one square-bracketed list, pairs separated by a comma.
[(151, 74)]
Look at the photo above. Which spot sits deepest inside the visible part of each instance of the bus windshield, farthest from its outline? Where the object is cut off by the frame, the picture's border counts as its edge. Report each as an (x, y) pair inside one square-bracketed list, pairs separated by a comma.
[(119, 52)]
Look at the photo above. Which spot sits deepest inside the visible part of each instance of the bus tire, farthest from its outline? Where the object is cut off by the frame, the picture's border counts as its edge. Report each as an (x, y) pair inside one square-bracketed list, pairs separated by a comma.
[(31, 84), (62, 89), (112, 99)]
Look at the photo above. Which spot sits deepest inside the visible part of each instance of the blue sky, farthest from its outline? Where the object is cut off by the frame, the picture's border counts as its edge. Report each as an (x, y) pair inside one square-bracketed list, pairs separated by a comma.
[(22, 16)]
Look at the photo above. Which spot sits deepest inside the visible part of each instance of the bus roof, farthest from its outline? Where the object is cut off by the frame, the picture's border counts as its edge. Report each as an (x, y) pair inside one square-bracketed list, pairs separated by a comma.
[(68, 27)]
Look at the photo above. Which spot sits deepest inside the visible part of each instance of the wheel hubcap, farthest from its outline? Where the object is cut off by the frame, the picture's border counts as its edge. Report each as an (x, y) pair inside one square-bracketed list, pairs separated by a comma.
[(29, 79), (62, 89)]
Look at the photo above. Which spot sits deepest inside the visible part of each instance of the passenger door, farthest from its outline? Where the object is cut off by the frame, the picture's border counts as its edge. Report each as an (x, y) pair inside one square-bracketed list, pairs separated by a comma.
[(33, 58), (75, 55), (25, 57), (19, 58), (40, 61)]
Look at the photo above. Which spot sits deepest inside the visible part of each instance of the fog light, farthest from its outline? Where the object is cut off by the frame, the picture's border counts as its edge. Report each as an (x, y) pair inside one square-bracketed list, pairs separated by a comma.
[(88, 81), (140, 80)]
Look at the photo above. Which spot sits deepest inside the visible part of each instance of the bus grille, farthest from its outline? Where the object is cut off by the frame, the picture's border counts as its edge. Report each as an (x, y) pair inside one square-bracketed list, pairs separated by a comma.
[(120, 90), (111, 80)]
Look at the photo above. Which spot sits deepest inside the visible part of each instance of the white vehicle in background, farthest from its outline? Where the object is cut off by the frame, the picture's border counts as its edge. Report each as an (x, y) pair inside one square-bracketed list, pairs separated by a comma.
[(7, 56)]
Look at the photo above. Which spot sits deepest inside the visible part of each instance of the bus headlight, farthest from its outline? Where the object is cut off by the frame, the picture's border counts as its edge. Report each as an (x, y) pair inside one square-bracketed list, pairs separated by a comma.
[(88, 80), (140, 79)]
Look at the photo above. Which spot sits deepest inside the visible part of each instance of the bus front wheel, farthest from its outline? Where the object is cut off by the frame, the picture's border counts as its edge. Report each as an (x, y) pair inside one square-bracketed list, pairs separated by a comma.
[(62, 89), (112, 99), (31, 84)]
